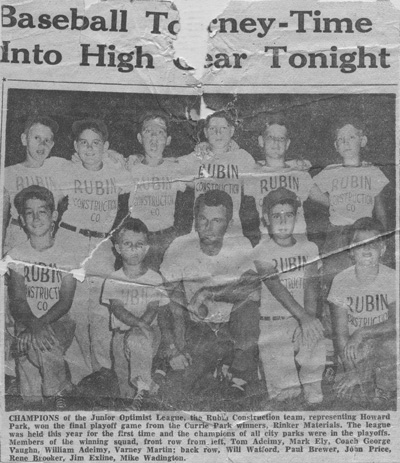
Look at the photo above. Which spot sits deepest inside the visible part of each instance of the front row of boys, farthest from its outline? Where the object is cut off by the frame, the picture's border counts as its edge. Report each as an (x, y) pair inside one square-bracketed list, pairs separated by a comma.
[(362, 297)]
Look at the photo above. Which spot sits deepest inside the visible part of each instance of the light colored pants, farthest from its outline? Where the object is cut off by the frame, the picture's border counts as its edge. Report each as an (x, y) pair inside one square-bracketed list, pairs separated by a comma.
[(45, 373), (277, 352), (133, 352), (91, 348)]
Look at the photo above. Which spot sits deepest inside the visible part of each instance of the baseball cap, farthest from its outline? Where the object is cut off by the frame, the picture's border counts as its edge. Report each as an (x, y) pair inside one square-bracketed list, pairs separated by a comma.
[(280, 196)]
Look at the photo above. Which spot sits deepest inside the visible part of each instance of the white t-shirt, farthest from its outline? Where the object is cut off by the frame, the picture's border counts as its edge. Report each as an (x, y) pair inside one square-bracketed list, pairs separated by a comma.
[(152, 198), (352, 191), (49, 175), (366, 303), (290, 263), (185, 261), (135, 294), (225, 172), (93, 196), (264, 179), (43, 272)]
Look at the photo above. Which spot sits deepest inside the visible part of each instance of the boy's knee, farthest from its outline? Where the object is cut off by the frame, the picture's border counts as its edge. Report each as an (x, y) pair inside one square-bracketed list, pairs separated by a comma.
[(136, 339)]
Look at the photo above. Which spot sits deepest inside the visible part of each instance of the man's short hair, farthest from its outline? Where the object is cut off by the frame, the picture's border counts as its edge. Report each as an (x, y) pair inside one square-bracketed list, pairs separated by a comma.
[(222, 115), (34, 192), (152, 115), (366, 224), (215, 198), (96, 125), (280, 196), (43, 120), (276, 119), (342, 121), (134, 225)]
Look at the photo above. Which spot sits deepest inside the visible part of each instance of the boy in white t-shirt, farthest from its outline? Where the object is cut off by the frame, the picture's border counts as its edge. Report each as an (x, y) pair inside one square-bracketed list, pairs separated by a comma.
[(155, 186), (354, 189), (94, 188), (41, 293), (276, 171), (363, 304), (136, 298), (289, 329)]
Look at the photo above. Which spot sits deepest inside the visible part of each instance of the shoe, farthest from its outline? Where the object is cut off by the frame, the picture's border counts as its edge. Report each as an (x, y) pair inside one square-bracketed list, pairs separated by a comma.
[(60, 403), (236, 389), (287, 394), (384, 399), (313, 393), (138, 401)]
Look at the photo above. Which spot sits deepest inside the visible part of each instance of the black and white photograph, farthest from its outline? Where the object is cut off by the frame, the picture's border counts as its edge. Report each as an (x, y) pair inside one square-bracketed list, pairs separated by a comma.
[(223, 252)]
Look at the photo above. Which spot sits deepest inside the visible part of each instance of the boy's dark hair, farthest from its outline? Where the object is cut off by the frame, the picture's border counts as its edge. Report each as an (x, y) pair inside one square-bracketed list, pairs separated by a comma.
[(365, 224), (215, 198), (152, 115), (134, 225), (43, 120), (220, 114), (342, 121), (276, 119), (280, 196), (96, 125), (34, 192)]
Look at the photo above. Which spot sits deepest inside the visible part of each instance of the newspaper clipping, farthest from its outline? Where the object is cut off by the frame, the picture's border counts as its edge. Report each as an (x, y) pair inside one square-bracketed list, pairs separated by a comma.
[(199, 264)]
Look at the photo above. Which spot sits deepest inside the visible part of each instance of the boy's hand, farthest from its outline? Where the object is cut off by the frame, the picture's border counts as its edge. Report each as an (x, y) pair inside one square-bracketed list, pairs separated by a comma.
[(352, 346), (180, 361), (203, 150), (42, 336), (346, 383), (115, 157), (198, 303), (312, 330), (76, 159), (24, 341), (133, 160)]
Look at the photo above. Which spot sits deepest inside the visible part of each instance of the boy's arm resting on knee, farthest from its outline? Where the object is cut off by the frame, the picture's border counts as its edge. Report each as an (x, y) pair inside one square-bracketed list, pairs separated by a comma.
[(319, 197), (19, 306), (176, 294), (340, 333), (311, 288), (380, 210)]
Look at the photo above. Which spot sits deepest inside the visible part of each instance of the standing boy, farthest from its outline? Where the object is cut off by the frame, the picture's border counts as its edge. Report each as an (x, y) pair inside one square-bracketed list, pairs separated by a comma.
[(363, 303), (93, 190), (155, 186), (289, 329), (136, 297), (355, 191), (41, 294)]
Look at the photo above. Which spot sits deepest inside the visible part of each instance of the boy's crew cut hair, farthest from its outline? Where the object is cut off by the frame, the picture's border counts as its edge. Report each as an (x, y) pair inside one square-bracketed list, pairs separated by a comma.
[(96, 125), (151, 115), (280, 196), (43, 120), (276, 119), (134, 225), (215, 198), (365, 224), (223, 114), (342, 121), (34, 192)]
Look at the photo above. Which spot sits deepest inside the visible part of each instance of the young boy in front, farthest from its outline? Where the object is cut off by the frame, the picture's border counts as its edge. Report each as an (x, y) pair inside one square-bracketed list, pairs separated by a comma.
[(136, 298), (289, 329), (363, 304), (354, 189), (41, 292)]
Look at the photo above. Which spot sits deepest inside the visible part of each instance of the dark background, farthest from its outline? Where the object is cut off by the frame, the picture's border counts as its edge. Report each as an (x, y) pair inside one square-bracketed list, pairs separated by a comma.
[(310, 119)]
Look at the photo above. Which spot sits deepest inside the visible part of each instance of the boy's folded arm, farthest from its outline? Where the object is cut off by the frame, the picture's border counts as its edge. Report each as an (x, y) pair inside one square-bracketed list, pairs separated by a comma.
[(151, 312), (19, 306), (380, 210), (318, 196), (62, 306), (387, 327), (118, 310)]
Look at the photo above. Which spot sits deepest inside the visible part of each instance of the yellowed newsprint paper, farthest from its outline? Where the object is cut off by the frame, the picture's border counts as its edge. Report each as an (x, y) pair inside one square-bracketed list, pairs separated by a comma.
[(199, 247)]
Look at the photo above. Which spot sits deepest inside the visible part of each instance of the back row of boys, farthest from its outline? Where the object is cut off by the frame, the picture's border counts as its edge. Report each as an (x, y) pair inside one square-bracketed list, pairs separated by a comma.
[(351, 190)]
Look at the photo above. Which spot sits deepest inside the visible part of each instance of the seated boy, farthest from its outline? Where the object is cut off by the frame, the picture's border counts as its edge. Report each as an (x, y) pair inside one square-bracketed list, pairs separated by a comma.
[(136, 298), (41, 292), (363, 305), (289, 329)]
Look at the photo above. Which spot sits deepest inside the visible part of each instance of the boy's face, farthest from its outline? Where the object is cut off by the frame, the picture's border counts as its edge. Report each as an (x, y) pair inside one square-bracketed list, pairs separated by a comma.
[(368, 254), (90, 147), (38, 218), (281, 220), (38, 142), (212, 224), (154, 137), (219, 133), (132, 247), (349, 141), (274, 141)]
